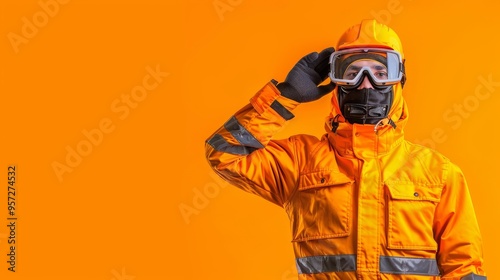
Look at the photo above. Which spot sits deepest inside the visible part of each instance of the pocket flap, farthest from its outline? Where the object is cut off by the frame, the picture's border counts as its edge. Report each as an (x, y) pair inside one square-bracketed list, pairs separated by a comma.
[(321, 179), (414, 191)]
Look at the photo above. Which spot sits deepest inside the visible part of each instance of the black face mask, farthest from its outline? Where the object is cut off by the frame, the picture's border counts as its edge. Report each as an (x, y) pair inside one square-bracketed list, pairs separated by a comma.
[(365, 106)]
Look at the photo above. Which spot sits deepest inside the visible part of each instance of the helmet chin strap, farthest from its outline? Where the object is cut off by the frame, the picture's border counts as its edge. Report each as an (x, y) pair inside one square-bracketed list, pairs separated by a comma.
[(367, 105)]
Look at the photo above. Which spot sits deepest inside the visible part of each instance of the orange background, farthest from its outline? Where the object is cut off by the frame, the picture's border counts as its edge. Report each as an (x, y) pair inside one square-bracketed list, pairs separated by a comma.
[(117, 214)]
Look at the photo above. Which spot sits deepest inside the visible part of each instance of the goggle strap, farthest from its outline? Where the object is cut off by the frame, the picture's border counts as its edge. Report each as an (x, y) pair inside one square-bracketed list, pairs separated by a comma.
[(403, 77)]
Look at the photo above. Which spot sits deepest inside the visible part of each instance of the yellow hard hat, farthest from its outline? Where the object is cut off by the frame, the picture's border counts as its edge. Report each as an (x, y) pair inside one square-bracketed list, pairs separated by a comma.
[(370, 33)]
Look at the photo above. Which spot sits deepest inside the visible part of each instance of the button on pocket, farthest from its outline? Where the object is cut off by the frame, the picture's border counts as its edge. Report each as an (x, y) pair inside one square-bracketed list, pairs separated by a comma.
[(410, 215)]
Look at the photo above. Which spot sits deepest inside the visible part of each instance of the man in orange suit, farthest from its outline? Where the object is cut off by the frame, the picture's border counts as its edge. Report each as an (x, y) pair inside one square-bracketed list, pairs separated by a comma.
[(363, 202)]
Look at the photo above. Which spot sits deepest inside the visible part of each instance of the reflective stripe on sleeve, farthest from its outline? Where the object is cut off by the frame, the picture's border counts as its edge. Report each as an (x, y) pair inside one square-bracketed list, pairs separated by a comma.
[(220, 144), (416, 266), (473, 276), (241, 134), (281, 110), (320, 264)]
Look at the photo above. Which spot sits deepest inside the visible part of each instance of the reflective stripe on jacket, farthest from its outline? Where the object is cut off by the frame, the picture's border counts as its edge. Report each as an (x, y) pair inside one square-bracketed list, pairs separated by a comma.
[(362, 205)]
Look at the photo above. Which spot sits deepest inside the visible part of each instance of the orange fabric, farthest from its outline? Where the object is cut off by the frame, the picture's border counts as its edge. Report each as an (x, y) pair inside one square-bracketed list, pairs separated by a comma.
[(357, 192)]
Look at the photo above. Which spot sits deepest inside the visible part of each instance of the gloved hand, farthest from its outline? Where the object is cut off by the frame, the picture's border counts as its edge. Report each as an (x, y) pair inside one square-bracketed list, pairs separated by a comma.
[(301, 83)]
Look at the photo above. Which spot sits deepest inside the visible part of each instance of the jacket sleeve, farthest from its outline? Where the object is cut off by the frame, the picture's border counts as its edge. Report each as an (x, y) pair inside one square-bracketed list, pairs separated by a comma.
[(242, 152), (460, 254)]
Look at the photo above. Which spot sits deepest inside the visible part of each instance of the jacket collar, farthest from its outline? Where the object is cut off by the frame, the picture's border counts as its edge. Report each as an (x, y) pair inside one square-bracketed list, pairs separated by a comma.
[(363, 141)]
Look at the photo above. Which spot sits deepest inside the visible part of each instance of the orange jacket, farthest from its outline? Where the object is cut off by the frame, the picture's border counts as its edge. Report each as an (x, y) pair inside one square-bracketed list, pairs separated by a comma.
[(362, 205)]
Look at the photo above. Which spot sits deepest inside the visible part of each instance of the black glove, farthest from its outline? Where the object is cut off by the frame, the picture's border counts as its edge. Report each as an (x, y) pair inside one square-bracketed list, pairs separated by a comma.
[(301, 83)]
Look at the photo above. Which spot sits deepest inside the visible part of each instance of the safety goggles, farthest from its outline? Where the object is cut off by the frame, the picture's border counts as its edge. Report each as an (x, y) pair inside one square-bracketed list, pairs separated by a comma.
[(383, 67)]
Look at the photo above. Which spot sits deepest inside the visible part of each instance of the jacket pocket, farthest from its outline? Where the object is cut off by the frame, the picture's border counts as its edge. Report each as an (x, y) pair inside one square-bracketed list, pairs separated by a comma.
[(410, 215), (321, 207)]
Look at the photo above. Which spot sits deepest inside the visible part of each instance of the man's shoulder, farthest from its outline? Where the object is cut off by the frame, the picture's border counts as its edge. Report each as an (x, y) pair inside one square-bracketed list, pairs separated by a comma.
[(425, 153)]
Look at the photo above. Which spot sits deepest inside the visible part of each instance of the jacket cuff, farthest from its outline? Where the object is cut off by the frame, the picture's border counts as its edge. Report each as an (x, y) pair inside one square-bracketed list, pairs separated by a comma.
[(269, 99)]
